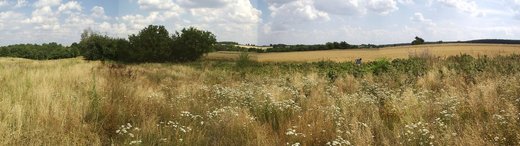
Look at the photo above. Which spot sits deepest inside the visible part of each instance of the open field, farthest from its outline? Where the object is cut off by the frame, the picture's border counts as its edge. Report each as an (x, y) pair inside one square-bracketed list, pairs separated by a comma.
[(441, 50), (459, 100)]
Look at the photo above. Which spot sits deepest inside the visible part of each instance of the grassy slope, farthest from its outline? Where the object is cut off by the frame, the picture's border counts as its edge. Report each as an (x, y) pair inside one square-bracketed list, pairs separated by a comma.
[(74, 102)]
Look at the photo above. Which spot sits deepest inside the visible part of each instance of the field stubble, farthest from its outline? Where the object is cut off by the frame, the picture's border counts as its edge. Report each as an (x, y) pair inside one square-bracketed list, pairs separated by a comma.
[(440, 50)]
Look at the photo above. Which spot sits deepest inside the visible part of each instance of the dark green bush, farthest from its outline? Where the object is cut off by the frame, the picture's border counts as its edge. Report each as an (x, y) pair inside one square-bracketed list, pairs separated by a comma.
[(152, 44)]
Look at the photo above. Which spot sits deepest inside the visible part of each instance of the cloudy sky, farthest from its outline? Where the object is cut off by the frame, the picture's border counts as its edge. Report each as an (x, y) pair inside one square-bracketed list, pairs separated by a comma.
[(264, 21)]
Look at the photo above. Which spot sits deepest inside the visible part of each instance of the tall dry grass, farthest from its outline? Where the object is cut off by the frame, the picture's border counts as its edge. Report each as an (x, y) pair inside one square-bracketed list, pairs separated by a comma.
[(73, 102)]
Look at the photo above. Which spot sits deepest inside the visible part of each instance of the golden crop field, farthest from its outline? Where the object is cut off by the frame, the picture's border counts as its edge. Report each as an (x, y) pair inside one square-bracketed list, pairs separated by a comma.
[(441, 50)]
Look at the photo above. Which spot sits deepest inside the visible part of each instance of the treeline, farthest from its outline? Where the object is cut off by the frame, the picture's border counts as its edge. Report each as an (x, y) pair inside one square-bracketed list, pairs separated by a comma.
[(494, 41), (40, 52), (326, 46), (152, 44), (228, 46)]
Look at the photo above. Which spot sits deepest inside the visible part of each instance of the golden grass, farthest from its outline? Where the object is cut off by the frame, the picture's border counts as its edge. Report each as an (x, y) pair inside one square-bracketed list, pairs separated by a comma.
[(441, 50), (75, 102)]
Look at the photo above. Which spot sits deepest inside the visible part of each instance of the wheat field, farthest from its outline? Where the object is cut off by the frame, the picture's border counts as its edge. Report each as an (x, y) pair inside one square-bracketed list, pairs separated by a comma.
[(454, 101), (441, 50)]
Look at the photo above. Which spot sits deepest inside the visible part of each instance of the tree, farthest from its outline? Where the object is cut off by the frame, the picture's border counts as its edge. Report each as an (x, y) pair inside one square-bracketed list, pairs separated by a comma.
[(418, 41), (153, 43), (94, 46), (191, 44), (344, 45)]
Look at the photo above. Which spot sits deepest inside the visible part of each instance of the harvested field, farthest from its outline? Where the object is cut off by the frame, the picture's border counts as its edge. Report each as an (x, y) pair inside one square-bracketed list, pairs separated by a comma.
[(442, 50)]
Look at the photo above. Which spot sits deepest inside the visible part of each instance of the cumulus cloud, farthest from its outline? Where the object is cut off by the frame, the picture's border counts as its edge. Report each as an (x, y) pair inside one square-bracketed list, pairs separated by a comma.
[(98, 12), (516, 8), (203, 3), (419, 18), (466, 6), (345, 7), (382, 7), (70, 6), (21, 3), (9, 19), (406, 1), (157, 4), (45, 3), (3, 3), (44, 18), (341, 7), (292, 13)]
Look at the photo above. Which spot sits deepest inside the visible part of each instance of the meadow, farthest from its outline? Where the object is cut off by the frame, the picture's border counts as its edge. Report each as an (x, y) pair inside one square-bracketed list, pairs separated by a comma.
[(442, 50), (420, 100)]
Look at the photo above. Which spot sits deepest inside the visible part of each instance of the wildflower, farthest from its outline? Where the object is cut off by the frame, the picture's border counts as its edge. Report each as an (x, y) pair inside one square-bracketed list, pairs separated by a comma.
[(135, 142)]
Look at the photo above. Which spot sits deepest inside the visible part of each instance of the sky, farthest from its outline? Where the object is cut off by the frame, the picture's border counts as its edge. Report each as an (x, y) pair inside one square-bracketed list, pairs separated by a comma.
[(264, 22)]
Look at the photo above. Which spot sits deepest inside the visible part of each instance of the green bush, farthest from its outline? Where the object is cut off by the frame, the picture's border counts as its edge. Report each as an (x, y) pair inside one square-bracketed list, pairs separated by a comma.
[(152, 44), (98, 47), (192, 43)]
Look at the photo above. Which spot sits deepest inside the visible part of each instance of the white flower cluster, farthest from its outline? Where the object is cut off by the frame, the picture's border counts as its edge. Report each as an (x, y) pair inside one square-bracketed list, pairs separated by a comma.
[(175, 125), (339, 141), (418, 134), (129, 130)]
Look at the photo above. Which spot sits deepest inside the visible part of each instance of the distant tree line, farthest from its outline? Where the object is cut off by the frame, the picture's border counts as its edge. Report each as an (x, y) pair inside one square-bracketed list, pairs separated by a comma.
[(228, 46), (326, 46), (152, 44), (494, 41), (39, 52)]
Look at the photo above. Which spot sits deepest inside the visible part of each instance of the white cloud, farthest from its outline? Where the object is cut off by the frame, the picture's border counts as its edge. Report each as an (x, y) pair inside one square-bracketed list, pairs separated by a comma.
[(70, 6), (297, 11), (228, 19), (382, 7), (139, 21), (235, 20), (516, 8), (157, 4), (467, 6), (341, 7), (406, 1), (3, 3), (8, 20), (21, 3), (203, 3), (98, 12), (44, 18), (44, 3), (419, 17)]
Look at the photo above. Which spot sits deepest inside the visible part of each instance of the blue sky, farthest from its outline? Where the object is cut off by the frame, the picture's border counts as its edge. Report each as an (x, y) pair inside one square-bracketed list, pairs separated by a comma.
[(264, 21)]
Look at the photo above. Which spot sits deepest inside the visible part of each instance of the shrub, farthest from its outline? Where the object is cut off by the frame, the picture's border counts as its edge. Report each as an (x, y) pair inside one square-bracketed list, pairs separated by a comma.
[(152, 44), (99, 47), (192, 43)]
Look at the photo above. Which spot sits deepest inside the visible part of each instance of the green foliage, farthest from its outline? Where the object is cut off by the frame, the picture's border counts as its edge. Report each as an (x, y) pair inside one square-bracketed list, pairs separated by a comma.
[(40, 52), (152, 44), (418, 41), (326, 46), (99, 47), (243, 60), (192, 43), (380, 66), (412, 66)]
